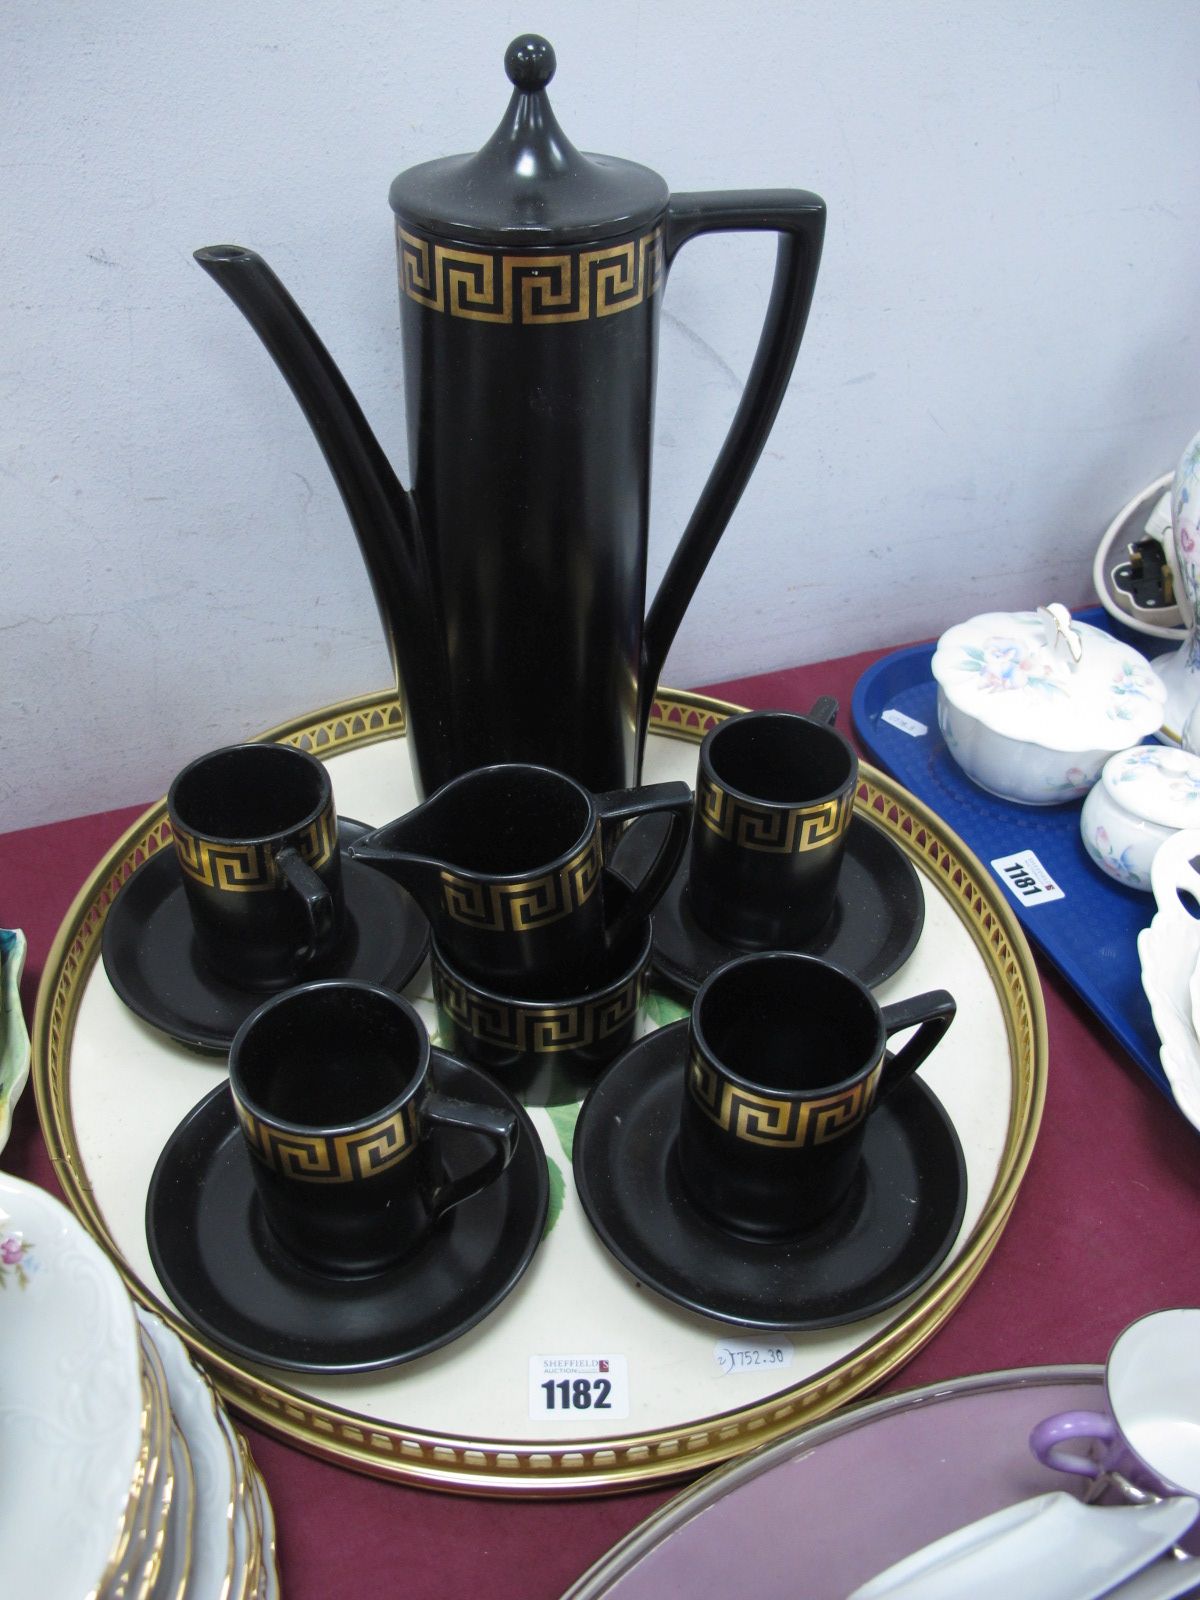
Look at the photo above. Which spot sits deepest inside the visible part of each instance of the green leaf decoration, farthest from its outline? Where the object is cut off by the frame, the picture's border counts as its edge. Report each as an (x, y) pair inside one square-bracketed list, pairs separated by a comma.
[(661, 1009), (564, 1119), (557, 1185)]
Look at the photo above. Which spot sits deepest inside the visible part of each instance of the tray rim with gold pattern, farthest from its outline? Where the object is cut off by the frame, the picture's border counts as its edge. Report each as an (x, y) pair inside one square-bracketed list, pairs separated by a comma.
[(527, 1467)]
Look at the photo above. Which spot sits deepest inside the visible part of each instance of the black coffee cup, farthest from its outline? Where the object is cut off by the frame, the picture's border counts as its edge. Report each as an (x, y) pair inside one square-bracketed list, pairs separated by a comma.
[(549, 1045), (507, 862), (787, 1060), (256, 837), (774, 802), (331, 1086)]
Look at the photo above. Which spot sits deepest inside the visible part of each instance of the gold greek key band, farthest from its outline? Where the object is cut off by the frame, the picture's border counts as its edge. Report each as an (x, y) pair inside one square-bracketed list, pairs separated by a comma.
[(782, 832), (333, 1158), (539, 1030), (553, 286), (524, 907), (790, 1124), (242, 869)]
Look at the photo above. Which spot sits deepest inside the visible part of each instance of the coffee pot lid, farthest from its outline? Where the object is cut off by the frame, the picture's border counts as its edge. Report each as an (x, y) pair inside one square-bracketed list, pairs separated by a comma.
[(529, 184)]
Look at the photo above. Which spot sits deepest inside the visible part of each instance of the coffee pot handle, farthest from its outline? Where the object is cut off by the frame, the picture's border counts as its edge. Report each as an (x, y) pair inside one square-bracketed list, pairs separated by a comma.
[(799, 219)]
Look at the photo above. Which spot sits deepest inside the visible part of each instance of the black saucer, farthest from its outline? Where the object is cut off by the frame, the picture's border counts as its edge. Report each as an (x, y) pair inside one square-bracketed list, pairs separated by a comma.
[(150, 958), (890, 1233), (222, 1268), (876, 921)]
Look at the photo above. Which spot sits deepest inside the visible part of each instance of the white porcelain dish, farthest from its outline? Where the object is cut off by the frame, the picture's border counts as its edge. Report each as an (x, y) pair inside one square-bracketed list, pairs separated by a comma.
[(70, 1399), (1162, 1580), (1031, 704), (1169, 950), (139, 1574), (194, 1406), (248, 1505), (1049, 1548), (14, 1036), (269, 1588), (1147, 516), (247, 1535), (174, 1573), (1144, 796)]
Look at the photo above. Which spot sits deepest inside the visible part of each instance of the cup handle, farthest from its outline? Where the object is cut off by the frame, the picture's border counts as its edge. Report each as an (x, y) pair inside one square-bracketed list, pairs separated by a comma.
[(497, 1126), (674, 800), (931, 1014), (824, 710), (1066, 1428), (314, 897)]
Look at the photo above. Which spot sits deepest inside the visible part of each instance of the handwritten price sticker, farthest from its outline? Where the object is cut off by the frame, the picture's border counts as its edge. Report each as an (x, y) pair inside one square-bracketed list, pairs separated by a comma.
[(751, 1355), (905, 723)]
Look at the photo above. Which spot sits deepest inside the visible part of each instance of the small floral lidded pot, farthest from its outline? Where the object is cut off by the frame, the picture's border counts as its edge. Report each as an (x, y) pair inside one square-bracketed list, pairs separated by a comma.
[(1031, 703), (1143, 797)]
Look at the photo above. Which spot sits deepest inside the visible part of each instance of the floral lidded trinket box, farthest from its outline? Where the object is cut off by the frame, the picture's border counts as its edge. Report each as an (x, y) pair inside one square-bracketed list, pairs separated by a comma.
[(1143, 797), (1031, 704)]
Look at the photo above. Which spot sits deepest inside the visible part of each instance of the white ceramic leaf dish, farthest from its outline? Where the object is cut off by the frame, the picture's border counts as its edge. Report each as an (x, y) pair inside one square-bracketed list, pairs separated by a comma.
[(14, 1036), (1169, 952)]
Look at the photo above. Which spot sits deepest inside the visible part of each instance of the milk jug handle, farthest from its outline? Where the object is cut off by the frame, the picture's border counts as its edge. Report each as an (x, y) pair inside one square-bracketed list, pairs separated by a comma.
[(799, 219)]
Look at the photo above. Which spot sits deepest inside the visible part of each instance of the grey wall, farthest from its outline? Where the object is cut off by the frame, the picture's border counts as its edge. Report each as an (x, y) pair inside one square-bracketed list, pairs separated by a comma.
[(1001, 349)]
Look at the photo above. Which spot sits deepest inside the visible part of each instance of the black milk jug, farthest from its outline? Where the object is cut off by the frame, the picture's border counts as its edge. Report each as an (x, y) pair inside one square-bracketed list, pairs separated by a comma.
[(512, 578)]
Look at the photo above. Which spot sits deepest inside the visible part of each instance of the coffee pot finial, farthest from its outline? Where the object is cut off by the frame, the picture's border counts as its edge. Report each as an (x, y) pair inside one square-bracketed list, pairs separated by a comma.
[(528, 184), (530, 62)]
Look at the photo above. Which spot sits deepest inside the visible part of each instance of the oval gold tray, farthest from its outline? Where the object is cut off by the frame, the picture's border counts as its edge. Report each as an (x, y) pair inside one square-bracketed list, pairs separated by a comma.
[(110, 1090)]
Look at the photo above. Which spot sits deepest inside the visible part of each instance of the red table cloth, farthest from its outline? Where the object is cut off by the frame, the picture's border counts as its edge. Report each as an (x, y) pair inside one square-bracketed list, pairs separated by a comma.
[(1103, 1231)]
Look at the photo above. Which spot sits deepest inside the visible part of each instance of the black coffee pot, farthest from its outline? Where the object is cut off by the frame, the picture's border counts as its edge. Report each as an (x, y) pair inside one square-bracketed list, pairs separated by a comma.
[(512, 579)]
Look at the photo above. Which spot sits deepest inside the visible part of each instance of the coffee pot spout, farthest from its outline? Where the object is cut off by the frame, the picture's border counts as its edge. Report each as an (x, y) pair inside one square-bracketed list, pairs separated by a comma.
[(382, 512)]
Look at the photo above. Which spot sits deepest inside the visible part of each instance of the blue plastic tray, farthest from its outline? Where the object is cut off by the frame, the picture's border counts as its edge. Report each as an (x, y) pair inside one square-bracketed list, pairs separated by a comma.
[(1091, 934)]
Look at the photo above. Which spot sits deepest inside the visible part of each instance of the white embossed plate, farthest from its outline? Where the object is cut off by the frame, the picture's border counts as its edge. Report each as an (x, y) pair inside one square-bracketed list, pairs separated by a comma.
[(213, 1567), (70, 1398)]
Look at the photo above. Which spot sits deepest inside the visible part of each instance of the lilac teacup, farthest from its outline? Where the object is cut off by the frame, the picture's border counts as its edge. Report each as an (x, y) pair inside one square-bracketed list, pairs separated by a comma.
[(1148, 1440)]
